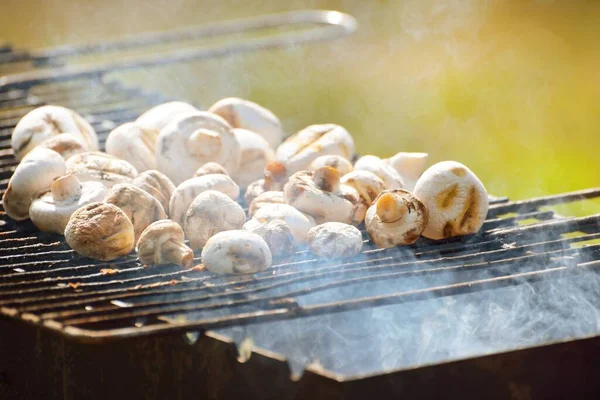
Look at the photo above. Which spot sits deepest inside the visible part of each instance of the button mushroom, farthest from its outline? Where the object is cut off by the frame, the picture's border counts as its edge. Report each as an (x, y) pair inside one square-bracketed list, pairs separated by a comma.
[(185, 193), (248, 115), (211, 212), (367, 185), (277, 234), (379, 167), (275, 177), (163, 242), (133, 143), (161, 115), (191, 141), (457, 200), (211, 168), (47, 121), (334, 239), (65, 144), (32, 177), (264, 199), (338, 162), (299, 150), (139, 206), (409, 165), (156, 184), (101, 231), (256, 154), (101, 167), (320, 195), (298, 222), (236, 252), (51, 212), (397, 217)]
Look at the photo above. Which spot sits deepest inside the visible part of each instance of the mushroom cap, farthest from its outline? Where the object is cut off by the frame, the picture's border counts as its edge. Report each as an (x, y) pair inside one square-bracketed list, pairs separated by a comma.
[(338, 162), (298, 222), (248, 115), (184, 194), (101, 167), (211, 168), (367, 185), (275, 178), (51, 212), (32, 177), (139, 206), (161, 115), (156, 184), (236, 252), (135, 144), (255, 155), (299, 150), (101, 231), (410, 166), (379, 167), (211, 212), (191, 141), (397, 217), (47, 121), (276, 233), (335, 239), (265, 198), (65, 144), (163, 242), (457, 200)]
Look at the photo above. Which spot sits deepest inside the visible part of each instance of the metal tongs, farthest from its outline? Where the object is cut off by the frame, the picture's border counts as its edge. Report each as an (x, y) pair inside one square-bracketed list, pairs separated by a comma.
[(326, 25)]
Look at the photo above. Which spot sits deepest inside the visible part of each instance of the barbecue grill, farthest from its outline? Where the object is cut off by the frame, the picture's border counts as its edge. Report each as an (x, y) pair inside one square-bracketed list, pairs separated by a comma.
[(511, 312)]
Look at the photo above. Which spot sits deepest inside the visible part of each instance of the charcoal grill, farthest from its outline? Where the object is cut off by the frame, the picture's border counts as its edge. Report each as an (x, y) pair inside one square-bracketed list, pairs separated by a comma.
[(511, 312)]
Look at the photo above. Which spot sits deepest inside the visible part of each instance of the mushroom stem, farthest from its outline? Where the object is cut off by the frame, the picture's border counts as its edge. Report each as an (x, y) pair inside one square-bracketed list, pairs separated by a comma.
[(327, 179), (275, 172), (66, 187), (204, 142), (390, 208), (178, 253)]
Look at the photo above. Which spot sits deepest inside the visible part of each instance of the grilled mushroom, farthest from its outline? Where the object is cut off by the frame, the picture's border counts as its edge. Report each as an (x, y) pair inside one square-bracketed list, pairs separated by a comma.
[(298, 222), (47, 121), (367, 185), (211, 168), (275, 177), (409, 165), (338, 162), (256, 154), (276, 233), (156, 184), (334, 239), (264, 199), (457, 200), (236, 252), (379, 167), (163, 242), (65, 144), (161, 115), (101, 167), (135, 144)]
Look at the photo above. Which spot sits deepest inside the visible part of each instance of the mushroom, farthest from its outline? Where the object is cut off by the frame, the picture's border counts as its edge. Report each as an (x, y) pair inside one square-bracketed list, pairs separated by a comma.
[(211, 212), (256, 154), (101, 231), (367, 185), (51, 212), (277, 234), (275, 177), (161, 115), (191, 141), (248, 115), (334, 239), (409, 165), (457, 200), (101, 167), (338, 162), (32, 177), (397, 217), (156, 184), (47, 121), (139, 206), (298, 222), (379, 167), (211, 168), (65, 144), (320, 195), (236, 252), (184, 194), (299, 150), (264, 199), (163, 242), (135, 144)]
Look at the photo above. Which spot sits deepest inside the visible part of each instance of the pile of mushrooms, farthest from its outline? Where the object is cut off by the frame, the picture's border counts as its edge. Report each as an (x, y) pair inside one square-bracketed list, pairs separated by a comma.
[(171, 183)]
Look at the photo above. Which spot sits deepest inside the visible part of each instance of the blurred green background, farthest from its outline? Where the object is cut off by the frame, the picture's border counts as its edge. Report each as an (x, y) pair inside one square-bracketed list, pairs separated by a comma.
[(510, 88)]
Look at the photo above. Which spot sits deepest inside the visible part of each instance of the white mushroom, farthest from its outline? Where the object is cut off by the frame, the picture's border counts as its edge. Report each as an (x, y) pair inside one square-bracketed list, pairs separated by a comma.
[(185, 193), (211, 212), (32, 178), (410, 166), (135, 144), (397, 217), (276, 233), (101, 231), (236, 252), (334, 239), (338, 162), (65, 144), (139, 206), (457, 200), (256, 154), (379, 167), (248, 115), (275, 177), (101, 167), (191, 141), (298, 222), (156, 184), (163, 242), (211, 168), (299, 150), (320, 195), (264, 199), (47, 121), (51, 212), (367, 185), (161, 115)]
